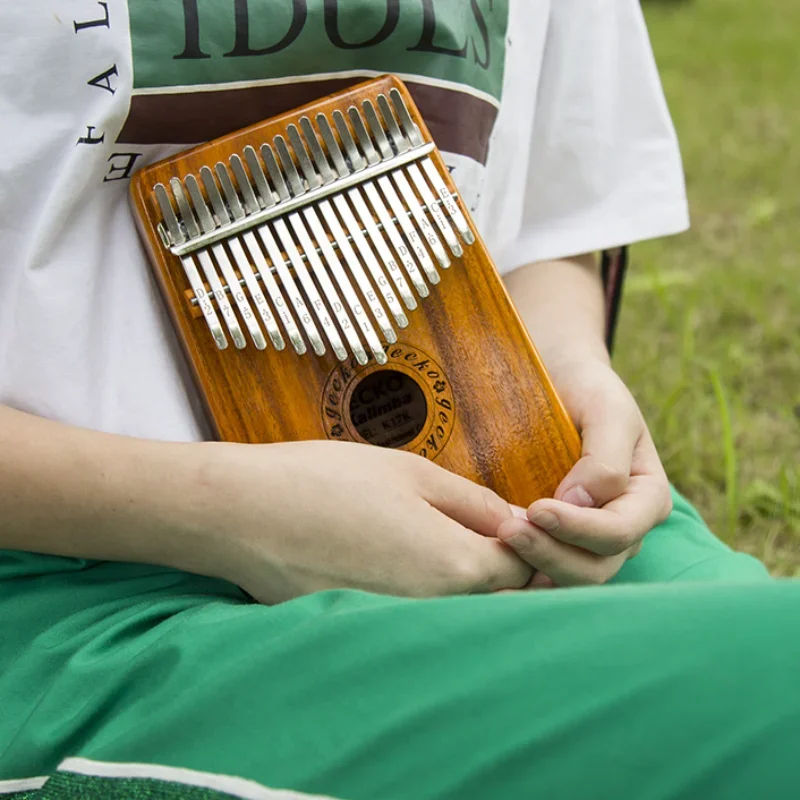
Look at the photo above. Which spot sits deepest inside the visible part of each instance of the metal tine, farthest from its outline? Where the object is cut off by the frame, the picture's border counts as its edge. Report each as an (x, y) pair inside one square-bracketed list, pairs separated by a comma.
[(327, 174), (377, 240), (427, 230), (184, 209), (190, 268), (435, 211), (168, 213), (296, 298), (275, 174), (262, 307), (296, 185), (358, 237), (377, 203), (379, 243), (328, 252), (406, 123), (373, 157), (413, 237), (417, 247), (402, 146), (223, 217), (399, 140), (235, 245), (251, 204), (403, 185), (265, 197), (357, 162), (232, 198), (279, 174), (215, 198), (363, 137), (311, 290), (414, 136), (346, 250), (368, 256), (363, 248), (360, 315), (190, 223), (207, 224), (281, 306), (400, 247), (358, 272), (377, 130), (310, 250), (334, 150), (312, 177), (449, 202)]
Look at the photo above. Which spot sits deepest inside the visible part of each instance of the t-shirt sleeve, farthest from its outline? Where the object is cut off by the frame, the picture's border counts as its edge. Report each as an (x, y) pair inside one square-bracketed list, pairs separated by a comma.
[(605, 167)]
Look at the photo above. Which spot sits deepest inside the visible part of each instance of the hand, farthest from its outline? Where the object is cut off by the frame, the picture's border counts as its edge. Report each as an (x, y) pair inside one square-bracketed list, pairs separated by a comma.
[(285, 520), (615, 494)]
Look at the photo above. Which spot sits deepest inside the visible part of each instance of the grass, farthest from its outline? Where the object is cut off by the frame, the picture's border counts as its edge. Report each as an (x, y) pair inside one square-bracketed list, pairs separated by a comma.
[(709, 338)]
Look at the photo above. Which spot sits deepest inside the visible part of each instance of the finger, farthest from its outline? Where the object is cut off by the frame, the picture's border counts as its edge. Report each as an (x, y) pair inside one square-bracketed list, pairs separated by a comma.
[(541, 581), (621, 523), (502, 567), (609, 433), (482, 564), (538, 582), (607, 531), (563, 564), (473, 506)]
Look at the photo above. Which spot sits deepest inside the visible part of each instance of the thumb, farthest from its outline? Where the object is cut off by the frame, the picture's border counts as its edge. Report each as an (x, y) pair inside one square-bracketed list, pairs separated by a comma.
[(609, 434), (473, 506)]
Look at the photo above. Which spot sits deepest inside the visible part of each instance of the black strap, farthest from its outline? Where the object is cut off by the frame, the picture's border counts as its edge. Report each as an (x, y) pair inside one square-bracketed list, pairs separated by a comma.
[(614, 267)]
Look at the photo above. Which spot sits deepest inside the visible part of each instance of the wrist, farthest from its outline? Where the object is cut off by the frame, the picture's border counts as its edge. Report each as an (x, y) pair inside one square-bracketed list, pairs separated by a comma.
[(190, 500), (558, 356)]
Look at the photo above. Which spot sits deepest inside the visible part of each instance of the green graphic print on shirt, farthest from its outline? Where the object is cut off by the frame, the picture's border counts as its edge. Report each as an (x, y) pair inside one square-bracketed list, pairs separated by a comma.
[(203, 68)]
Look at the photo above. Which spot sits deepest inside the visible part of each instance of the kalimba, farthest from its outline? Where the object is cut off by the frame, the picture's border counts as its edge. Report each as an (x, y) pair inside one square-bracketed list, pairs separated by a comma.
[(327, 282)]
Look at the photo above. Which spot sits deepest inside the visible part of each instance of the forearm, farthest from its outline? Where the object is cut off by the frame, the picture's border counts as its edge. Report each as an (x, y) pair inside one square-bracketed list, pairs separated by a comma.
[(561, 303), (73, 492)]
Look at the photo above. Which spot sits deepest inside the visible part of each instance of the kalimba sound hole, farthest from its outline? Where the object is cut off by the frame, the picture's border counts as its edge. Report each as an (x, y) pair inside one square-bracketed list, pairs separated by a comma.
[(388, 408)]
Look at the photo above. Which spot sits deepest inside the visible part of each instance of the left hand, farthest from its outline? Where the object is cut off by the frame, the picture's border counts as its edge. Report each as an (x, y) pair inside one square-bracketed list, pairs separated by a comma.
[(615, 494)]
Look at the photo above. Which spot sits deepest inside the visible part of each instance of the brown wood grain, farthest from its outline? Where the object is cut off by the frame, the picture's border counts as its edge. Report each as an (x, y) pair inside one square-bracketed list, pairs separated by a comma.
[(507, 430)]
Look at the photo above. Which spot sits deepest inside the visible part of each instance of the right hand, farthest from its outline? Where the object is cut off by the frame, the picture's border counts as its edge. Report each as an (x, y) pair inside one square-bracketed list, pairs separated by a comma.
[(285, 520)]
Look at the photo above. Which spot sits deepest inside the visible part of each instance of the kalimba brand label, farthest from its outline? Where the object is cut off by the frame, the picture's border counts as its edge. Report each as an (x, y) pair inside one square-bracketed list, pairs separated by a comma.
[(388, 408), (406, 403)]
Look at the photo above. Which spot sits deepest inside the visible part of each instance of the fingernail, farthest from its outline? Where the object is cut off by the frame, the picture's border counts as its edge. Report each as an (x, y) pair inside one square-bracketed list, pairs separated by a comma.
[(578, 496), (519, 535), (546, 520), (519, 512)]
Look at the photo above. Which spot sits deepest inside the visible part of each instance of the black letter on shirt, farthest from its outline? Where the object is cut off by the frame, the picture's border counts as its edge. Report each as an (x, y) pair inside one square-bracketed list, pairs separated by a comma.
[(480, 21), (242, 47), (125, 167), (89, 139), (332, 26), (191, 24), (425, 44), (103, 81), (95, 23)]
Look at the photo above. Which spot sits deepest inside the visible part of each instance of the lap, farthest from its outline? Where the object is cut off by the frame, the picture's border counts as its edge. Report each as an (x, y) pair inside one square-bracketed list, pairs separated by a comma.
[(359, 696), (683, 548)]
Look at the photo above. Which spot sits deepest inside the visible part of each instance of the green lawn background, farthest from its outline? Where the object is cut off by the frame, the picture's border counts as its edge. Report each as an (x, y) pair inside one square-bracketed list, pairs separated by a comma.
[(709, 337)]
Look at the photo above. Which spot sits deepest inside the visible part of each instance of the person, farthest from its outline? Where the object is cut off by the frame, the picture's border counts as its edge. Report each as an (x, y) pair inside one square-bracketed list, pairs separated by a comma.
[(189, 618)]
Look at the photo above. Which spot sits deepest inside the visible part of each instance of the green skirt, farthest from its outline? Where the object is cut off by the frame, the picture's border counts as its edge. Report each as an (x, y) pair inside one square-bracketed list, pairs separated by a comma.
[(681, 680)]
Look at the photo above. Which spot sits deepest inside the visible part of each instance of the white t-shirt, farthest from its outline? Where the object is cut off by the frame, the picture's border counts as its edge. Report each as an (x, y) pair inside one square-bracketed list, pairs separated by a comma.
[(549, 113)]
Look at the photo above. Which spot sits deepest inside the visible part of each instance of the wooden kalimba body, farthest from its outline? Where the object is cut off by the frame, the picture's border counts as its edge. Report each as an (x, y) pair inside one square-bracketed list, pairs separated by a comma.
[(326, 281)]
